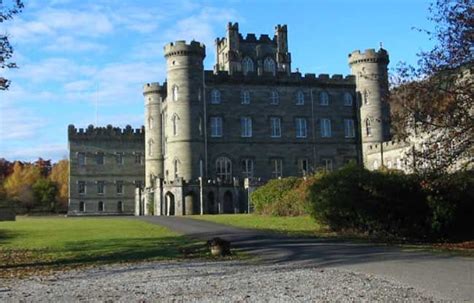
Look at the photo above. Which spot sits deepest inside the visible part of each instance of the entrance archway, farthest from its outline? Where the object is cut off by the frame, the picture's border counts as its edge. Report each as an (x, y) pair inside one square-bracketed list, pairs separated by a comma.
[(170, 204), (228, 203), (189, 204)]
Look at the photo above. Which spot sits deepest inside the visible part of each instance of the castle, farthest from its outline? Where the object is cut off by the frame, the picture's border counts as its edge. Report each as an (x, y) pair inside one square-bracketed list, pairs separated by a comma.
[(210, 137)]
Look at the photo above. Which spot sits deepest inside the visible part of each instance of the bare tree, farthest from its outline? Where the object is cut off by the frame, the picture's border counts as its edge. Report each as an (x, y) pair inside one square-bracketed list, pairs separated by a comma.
[(433, 101), (6, 50)]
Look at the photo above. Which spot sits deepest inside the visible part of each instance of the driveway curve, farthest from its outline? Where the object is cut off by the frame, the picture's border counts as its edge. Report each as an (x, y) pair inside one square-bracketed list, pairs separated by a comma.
[(441, 275)]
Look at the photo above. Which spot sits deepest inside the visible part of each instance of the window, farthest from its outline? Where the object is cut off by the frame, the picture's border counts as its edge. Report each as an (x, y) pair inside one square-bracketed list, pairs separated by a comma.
[(323, 98), (301, 130), (81, 187), (176, 168), (150, 147), (303, 166), (347, 99), (216, 126), (247, 168), (99, 158), (224, 169), (277, 168), (368, 127), (119, 158), (138, 158), (100, 187), (365, 97), (82, 206), (376, 164), (119, 186), (100, 207), (349, 131), (269, 65), (245, 97), (119, 207), (275, 126), (174, 121), (215, 96), (299, 98), (81, 159), (327, 164), (247, 66), (150, 122), (274, 97), (325, 128), (246, 127), (175, 93)]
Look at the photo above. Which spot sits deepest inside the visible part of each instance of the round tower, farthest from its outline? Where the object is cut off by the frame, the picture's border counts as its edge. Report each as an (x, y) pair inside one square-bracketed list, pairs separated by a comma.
[(154, 95), (184, 110), (370, 70)]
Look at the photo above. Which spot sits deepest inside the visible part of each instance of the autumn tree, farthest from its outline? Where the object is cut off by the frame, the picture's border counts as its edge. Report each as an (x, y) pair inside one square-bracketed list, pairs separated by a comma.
[(433, 100), (7, 12), (59, 175), (18, 185)]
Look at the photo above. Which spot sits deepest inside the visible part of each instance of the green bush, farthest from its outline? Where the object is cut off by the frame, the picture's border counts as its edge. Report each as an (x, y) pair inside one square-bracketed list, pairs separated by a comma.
[(266, 198)]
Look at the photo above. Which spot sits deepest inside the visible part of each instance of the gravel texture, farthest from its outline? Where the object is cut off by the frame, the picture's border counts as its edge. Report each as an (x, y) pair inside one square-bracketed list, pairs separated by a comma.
[(199, 281)]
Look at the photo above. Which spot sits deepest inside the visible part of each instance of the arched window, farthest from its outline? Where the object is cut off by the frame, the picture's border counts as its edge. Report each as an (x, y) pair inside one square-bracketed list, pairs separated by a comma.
[(224, 169), (347, 99), (176, 168), (150, 123), (119, 206), (299, 98), (82, 206), (100, 206), (368, 127), (247, 66), (175, 93), (323, 98), (274, 97), (245, 97), (215, 96), (269, 65), (150, 146), (174, 123)]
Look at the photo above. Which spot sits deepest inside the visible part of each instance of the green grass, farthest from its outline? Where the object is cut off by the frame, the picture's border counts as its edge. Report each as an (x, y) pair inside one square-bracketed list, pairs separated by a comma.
[(31, 244), (298, 226)]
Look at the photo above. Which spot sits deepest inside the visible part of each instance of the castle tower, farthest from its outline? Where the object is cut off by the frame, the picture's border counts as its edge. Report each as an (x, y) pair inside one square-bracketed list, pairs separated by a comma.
[(234, 63), (283, 57), (154, 95), (184, 118), (370, 70)]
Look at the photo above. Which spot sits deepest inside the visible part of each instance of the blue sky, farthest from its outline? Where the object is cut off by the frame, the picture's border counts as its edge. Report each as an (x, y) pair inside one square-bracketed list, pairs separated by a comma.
[(76, 56)]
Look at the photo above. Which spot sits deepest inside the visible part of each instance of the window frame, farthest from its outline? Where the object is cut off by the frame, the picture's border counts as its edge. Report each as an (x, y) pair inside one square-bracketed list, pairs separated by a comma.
[(100, 158), (277, 168), (101, 185), (81, 158), (273, 132), (324, 101), (119, 187), (348, 99), (247, 62), (326, 128), (301, 127), (248, 167), (274, 97), (175, 93), (224, 169), (244, 96), (217, 127), (216, 97), (84, 187), (246, 127), (349, 128), (300, 97)]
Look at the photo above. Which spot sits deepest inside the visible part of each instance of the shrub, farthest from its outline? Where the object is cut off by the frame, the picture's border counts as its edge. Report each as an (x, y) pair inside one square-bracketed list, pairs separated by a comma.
[(268, 199)]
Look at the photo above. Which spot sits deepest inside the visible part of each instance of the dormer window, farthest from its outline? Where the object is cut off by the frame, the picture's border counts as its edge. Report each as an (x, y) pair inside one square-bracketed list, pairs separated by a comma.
[(247, 66), (269, 66), (215, 96)]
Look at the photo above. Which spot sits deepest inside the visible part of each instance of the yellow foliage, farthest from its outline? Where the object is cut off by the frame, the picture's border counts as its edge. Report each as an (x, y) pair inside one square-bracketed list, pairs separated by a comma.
[(59, 175), (22, 177)]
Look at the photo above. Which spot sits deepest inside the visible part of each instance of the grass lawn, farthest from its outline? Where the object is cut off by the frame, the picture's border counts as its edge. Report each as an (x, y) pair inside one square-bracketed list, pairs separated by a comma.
[(298, 226), (42, 244)]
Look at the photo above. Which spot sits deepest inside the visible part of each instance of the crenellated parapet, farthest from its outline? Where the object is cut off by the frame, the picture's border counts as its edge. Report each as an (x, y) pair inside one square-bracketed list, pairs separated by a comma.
[(181, 48), (369, 56), (108, 133), (154, 87), (387, 146)]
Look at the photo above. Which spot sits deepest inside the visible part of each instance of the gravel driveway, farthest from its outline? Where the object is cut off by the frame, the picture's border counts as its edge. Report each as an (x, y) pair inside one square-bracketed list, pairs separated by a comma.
[(198, 281)]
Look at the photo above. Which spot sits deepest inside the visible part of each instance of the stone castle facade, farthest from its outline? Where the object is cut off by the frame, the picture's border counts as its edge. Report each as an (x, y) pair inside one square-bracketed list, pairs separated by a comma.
[(210, 137)]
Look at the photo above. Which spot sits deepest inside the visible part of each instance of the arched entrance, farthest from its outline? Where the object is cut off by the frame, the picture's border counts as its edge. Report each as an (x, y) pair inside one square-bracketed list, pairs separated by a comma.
[(189, 204), (211, 203), (228, 203), (170, 204)]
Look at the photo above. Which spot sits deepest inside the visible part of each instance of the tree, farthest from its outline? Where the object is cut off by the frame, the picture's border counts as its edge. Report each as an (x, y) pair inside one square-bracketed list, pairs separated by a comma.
[(44, 192), (59, 175), (433, 101), (6, 49), (18, 186)]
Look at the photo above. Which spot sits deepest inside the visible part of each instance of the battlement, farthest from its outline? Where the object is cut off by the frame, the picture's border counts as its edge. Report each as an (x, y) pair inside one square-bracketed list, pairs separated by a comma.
[(369, 55), (154, 87), (181, 48), (281, 78), (233, 26), (109, 133), (387, 146), (281, 28)]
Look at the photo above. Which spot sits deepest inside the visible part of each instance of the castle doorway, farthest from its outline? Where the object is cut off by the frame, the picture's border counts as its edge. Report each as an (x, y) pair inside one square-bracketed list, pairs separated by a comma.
[(211, 203), (170, 204), (228, 203), (190, 204)]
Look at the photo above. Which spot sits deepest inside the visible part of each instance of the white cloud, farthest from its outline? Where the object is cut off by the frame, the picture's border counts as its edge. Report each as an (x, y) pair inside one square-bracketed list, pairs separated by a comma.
[(54, 152), (72, 44), (19, 123)]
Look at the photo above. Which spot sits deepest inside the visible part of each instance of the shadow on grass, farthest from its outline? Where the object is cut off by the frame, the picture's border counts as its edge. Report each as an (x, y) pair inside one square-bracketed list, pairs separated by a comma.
[(7, 235)]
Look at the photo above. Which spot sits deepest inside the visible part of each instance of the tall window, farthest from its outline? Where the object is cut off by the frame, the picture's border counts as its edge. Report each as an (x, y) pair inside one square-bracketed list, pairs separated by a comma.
[(368, 127), (269, 65), (150, 147), (274, 97), (301, 130), (138, 158), (323, 98), (175, 93), (303, 166), (150, 122), (100, 207), (247, 168), (277, 168), (176, 168), (119, 207), (174, 123), (99, 158), (81, 159), (299, 98), (245, 97), (349, 131), (327, 164), (119, 187), (100, 187), (275, 126), (119, 158), (246, 127), (216, 126), (82, 206), (224, 169), (325, 128), (365, 97), (347, 99), (215, 96), (81, 187), (247, 66)]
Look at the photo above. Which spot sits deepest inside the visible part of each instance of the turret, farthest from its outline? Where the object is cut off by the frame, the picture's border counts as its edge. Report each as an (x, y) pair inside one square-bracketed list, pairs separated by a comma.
[(283, 57), (184, 110), (370, 70), (154, 95), (233, 53)]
